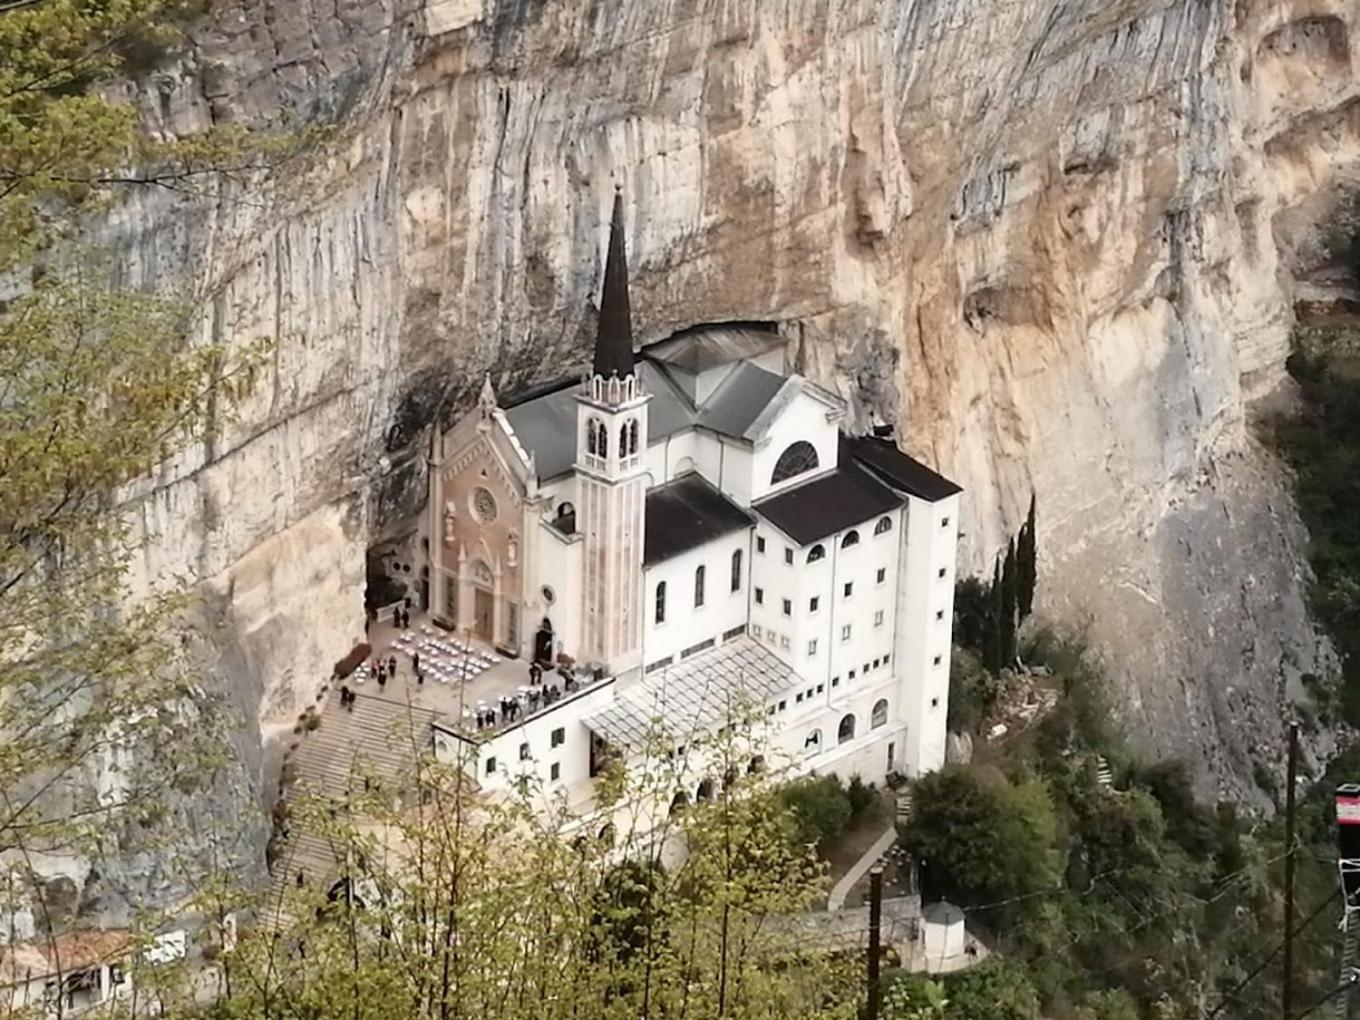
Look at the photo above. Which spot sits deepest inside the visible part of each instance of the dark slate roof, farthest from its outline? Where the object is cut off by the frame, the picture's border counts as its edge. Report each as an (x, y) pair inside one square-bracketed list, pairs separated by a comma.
[(699, 350), (836, 501), (544, 419), (884, 460), (686, 513), (739, 400), (614, 336)]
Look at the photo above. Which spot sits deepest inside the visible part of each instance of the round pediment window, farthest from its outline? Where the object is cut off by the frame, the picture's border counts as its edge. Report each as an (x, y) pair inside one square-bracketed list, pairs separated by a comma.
[(484, 505)]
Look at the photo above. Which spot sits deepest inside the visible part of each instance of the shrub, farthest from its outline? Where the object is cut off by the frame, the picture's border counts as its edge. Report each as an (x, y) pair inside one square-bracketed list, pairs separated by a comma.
[(979, 837), (821, 807), (863, 798)]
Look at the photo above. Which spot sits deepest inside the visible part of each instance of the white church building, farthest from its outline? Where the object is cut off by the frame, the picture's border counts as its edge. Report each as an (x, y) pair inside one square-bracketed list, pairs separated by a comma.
[(684, 524)]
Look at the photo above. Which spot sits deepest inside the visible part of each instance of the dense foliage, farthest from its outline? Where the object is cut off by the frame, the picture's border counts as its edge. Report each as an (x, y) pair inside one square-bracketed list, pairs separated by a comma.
[(1322, 444), (822, 807), (1137, 887)]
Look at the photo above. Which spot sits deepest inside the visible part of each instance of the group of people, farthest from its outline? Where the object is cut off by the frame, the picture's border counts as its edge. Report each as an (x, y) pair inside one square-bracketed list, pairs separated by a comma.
[(383, 671)]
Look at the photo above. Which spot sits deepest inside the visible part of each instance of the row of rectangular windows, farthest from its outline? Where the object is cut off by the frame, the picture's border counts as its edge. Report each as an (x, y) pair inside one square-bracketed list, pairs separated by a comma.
[(685, 653), (847, 591)]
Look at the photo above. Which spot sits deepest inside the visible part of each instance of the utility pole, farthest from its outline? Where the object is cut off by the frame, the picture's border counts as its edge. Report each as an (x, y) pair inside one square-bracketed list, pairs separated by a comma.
[(1287, 994), (875, 926)]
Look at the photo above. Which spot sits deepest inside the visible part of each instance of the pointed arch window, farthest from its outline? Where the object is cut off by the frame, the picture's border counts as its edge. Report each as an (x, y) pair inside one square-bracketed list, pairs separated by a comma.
[(699, 586), (736, 570), (603, 440), (632, 428), (661, 602), (798, 458)]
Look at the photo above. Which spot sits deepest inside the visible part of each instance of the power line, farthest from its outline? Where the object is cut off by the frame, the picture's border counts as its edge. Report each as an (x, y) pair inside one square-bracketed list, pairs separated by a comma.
[(1338, 990), (1271, 956)]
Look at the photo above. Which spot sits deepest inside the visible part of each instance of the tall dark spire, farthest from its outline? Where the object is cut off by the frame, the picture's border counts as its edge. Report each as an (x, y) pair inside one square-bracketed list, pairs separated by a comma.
[(614, 337)]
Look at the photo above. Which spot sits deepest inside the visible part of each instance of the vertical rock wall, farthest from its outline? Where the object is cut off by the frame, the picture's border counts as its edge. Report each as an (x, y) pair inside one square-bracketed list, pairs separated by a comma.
[(1057, 242)]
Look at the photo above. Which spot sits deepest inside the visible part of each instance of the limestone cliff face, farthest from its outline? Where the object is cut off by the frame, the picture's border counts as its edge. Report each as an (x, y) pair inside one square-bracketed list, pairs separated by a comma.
[(1057, 242)]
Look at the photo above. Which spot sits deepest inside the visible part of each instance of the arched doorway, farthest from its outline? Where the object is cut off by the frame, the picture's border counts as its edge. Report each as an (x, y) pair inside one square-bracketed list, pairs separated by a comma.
[(484, 602), (705, 792), (543, 642)]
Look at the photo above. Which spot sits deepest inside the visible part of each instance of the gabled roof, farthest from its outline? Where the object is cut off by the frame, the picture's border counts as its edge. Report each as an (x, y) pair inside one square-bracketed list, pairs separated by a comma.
[(885, 461), (737, 403), (709, 347), (837, 500), (63, 954), (698, 694), (614, 335), (686, 513)]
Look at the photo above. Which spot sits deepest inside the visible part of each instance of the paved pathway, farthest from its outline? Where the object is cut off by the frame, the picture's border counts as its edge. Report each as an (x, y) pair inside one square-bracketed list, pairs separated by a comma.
[(861, 867)]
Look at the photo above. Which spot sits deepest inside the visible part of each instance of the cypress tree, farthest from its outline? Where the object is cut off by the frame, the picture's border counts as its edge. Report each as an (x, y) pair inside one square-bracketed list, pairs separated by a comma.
[(1009, 593), (1026, 565), (993, 654)]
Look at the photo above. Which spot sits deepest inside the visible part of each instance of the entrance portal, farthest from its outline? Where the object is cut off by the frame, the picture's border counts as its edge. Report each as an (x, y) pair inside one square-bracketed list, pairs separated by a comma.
[(543, 642), (482, 624)]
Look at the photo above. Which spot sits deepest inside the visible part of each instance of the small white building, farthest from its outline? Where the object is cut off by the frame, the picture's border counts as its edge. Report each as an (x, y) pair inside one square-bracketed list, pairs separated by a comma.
[(686, 521), (65, 975)]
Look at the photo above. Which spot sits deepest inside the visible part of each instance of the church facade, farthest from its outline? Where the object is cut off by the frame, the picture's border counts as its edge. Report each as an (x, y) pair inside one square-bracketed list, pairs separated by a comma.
[(689, 520)]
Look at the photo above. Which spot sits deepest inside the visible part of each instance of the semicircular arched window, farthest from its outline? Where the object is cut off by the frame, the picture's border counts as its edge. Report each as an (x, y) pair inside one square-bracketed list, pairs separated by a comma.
[(851, 538), (816, 553), (884, 524), (846, 730), (879, 717), (798, 458)]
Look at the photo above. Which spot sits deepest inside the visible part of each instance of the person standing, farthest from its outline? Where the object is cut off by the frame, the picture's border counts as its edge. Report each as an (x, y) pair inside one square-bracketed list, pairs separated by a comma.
[(392, 666), (382, 676)]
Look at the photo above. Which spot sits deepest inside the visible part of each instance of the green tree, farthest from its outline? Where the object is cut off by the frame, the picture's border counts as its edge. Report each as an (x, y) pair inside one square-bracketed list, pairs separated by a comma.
[(481, 906), (1009, 597), (980, 838), (820, 806), (1026, 564), (105, 730), (994, 654)]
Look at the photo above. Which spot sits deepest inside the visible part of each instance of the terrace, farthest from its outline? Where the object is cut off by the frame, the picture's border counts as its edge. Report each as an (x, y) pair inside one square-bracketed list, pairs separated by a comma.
[(462, 679)]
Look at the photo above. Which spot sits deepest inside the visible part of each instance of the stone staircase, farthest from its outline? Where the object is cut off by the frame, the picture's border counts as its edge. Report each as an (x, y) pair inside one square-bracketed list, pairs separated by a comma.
[(380, 740)]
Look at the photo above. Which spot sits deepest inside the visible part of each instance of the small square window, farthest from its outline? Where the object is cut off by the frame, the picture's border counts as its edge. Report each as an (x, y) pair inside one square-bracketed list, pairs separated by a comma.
[(784, 642), (491, 765), (760, 544), (845, 632), (555, 773), (941, 574), (850, 675), (866, 667), (939, 614), (812, 647), (523, 752), (799, 699), (559, 736), (770, 710), (788, 555), (760, 596), (881, 576), (878, 618), (934, 702), (821, 688), (755, 630), (813, 603), (835, 681), (788, 607), (939, 659), (849, 588), (944, 522), (875, 664), (783, 705)]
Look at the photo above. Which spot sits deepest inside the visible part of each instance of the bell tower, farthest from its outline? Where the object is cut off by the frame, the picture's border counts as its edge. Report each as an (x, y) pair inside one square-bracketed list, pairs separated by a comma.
[(611, 438)]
